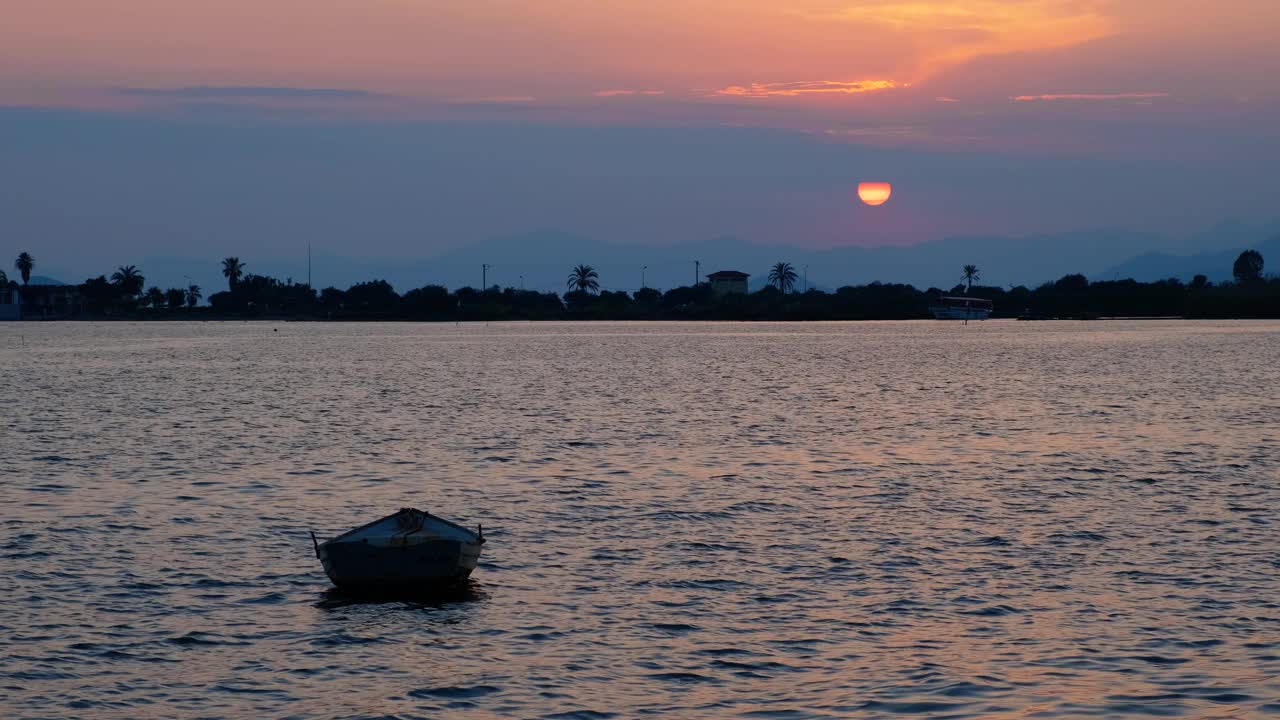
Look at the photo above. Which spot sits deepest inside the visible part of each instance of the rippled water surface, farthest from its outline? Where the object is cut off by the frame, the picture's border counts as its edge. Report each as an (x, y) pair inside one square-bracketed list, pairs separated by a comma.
[(685, 520)]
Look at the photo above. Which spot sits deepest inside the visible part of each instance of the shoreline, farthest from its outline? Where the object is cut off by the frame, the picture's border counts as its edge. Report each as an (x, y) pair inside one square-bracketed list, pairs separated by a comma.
[(288, 319)]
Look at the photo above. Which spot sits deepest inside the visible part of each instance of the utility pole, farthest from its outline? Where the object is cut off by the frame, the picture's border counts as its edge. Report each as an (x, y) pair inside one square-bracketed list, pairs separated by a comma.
[(521, 283), (308, 264), (484, 276), (642, 269), (806, 278), (697, 272)]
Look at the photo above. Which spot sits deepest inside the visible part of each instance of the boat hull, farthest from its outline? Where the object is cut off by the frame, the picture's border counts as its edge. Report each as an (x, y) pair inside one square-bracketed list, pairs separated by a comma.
[(946, 312), (433, 563)]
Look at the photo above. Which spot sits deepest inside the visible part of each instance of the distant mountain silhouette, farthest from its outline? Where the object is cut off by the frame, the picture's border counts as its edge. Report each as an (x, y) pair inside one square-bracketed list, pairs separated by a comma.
[(42, 280), (544, 258), (1216, 266)]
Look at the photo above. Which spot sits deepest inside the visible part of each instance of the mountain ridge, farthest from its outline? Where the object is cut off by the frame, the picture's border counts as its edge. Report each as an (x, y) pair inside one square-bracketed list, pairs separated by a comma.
[(540, 260)]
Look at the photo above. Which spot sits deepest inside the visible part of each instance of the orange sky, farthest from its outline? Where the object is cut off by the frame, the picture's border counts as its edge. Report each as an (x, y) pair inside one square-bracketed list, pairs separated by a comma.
[(417, 124), (660, 52)]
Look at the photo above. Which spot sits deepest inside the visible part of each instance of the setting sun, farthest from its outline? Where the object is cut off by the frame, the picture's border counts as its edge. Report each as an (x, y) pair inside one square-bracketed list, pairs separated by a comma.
[(875, 193)]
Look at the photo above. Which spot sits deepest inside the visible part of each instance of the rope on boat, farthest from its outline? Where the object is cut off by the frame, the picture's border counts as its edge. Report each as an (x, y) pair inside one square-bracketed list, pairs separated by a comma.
[(410, 522)]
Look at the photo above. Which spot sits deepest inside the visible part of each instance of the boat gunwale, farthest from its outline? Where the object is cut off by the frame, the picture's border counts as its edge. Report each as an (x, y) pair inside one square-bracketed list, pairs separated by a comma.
[(477, 539)]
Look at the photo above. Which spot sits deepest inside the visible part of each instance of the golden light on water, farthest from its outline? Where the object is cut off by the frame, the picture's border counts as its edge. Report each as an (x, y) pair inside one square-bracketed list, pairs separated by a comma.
[(875, 193)]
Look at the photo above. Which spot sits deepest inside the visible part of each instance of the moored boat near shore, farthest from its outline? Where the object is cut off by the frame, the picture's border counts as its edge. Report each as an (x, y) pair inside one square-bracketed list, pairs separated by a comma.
[(408, 550), (961, 308)]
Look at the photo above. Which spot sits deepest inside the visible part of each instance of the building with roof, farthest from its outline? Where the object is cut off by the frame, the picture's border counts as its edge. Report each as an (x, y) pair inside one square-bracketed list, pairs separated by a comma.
[(10, 302), (728, 282), (51, 302)]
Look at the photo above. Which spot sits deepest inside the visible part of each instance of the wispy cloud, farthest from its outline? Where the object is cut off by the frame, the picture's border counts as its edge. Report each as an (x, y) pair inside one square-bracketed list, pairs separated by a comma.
[(496, 100), (1090, 96), (212, 92), (945, 99), (952, 32), (808, 87), (626, 93), (903, 135), (970, 15)]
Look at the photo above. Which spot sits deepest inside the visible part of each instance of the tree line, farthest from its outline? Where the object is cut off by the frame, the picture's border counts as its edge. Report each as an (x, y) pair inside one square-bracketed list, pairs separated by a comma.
[(121, 294), (248, 295)]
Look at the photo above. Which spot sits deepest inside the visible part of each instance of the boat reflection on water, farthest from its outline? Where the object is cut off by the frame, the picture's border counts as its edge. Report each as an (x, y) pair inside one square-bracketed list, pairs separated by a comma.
[(464, 591)]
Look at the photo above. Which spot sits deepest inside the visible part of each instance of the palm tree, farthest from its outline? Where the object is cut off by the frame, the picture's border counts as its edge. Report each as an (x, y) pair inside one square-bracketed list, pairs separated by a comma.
[(583, 278), (175, 297), (23, 265), (4, 279), (154, 297), (971, 273), (232, 270), (783, 276), (129, 280), (193, 295)]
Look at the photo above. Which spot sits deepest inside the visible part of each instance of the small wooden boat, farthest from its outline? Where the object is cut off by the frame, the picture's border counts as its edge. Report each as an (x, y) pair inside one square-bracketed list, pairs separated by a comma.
[(411, 549)]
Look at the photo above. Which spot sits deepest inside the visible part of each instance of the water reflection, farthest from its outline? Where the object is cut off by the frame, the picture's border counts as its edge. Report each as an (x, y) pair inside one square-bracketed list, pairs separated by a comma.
[(431, 598), (688, 520)]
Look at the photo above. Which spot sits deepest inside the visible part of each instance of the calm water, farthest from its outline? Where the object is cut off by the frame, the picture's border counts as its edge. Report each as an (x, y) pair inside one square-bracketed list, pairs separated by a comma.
[(685, 520)]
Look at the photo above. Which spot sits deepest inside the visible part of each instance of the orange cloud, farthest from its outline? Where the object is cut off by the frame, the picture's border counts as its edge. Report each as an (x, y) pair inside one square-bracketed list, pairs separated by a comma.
[(810, 87), (952, 32), (1090, 96)]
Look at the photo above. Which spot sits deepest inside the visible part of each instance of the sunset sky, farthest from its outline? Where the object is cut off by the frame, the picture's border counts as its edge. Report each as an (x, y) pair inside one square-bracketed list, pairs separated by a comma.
[(430, 124)]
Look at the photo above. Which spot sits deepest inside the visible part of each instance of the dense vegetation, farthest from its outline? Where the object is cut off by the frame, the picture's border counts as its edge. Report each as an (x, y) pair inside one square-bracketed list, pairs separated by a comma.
[(1251, 295)]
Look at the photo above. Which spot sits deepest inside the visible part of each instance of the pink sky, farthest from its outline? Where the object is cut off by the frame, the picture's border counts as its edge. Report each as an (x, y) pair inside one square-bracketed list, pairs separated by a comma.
[(811, 63), (633, 120)]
